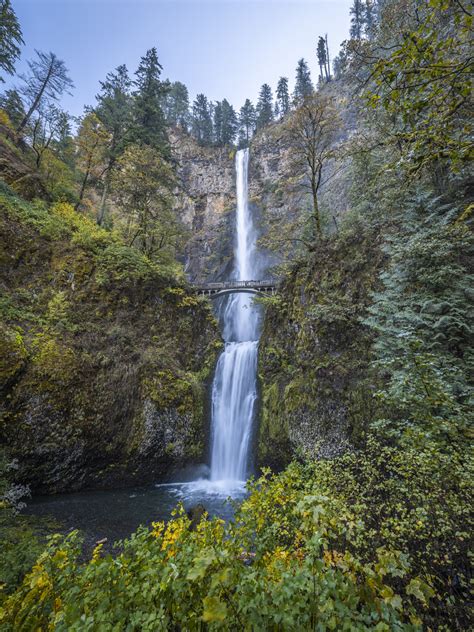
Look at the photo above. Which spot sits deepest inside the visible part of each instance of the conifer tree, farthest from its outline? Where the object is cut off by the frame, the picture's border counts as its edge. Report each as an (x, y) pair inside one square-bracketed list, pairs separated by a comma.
[(229, 123), (370, 18), (114, 111), (264, 106), (217, 123), (46, 81), (114, 103), (149, 126), (13, 105), (303, 85), (201, 124), (176, 106), (322, 59), (247, 122), (10, 38), (357, 19), (328, 60), (283, 97)]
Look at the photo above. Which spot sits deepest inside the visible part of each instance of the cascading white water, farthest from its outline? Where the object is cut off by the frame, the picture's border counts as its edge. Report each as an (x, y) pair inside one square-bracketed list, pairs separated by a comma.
[(234, 389)]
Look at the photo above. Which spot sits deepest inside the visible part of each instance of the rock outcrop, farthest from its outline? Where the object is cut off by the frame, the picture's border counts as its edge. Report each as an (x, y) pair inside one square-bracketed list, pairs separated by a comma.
[(205, 201), (105, 362), (316, 389)]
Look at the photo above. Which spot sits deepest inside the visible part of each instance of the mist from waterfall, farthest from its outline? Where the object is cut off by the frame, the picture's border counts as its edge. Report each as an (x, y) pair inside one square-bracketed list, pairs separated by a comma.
[(234, 390)]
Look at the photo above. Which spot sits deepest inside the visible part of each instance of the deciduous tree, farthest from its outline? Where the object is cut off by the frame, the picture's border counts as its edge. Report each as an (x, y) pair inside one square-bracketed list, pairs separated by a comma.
[(92, 142), (310, 133), (144, 181)]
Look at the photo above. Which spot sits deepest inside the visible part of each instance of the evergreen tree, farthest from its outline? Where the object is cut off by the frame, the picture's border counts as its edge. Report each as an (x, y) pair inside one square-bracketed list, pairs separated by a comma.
[(423, 307), (357, 20), (114, 111), (229, 123), (177, 106), (64, 142), (46, 81), (370, 18), (217, 123), (201, 124), (247, 122), (264, 106), (10, 38), (328, 61), (341, 61), (13, 105), (322, 59), (149, 121), (283, 96), (303, 85)]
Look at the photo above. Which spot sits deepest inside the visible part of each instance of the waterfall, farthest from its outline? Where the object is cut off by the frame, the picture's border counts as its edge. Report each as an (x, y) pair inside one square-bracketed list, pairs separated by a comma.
[(234, 390)]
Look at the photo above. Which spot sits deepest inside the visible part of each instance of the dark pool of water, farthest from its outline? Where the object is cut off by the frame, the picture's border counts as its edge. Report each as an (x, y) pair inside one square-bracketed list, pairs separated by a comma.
[(116, 514)]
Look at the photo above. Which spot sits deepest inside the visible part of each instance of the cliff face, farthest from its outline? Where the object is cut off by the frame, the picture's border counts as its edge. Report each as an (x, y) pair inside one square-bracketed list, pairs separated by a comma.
[(205, 201), (314, 353), (104, 361), (279, 194)]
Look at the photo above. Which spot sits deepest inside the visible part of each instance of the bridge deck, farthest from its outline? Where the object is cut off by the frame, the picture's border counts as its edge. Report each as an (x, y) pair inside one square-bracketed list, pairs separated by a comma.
[(227, 287)]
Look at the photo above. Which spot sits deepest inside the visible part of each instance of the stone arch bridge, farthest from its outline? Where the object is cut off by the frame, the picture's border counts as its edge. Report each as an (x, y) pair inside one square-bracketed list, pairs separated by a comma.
[(218, 289)]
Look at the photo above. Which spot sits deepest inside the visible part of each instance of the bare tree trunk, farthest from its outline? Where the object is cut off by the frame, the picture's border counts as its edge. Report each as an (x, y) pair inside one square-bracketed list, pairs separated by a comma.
[(37, 99), (83, 190), (328, 71), (317, 219), (101, 215)]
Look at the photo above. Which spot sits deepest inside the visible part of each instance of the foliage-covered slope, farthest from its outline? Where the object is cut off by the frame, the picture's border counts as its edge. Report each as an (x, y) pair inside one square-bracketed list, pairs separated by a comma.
[(105, 355), (314, 351), (327, 546)]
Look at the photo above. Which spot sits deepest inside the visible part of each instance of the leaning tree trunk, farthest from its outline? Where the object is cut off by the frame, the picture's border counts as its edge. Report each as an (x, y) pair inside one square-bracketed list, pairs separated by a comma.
[(317, 219), (83, 190), (37, 99), (103, 200)]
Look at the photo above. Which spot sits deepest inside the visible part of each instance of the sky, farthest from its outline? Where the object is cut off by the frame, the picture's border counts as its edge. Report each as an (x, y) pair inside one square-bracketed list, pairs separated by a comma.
[(223, 48)]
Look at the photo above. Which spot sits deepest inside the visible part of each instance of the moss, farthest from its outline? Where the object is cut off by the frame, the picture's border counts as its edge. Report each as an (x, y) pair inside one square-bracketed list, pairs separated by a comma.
[(13, 353), (314, 351), (54, 363), (111, 362)]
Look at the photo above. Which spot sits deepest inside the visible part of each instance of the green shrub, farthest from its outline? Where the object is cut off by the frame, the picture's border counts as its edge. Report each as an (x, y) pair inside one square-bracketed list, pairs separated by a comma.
[(371, 540)]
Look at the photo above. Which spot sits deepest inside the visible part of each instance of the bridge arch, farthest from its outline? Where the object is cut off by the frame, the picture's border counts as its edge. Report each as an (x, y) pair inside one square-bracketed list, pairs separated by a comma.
[(224, 288)]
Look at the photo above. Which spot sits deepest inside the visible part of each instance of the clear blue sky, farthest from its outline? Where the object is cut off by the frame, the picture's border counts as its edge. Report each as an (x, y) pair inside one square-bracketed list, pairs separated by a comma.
[(224, 48)]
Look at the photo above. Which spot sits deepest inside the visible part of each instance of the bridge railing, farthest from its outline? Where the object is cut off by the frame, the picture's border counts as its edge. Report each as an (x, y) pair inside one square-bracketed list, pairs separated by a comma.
[(225, 285)]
